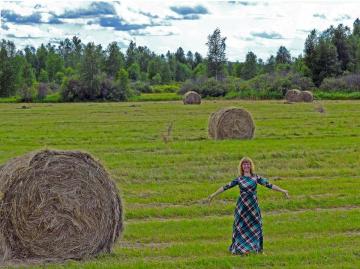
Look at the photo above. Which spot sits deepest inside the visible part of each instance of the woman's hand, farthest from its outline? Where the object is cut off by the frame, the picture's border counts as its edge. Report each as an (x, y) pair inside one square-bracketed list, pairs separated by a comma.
[(286, 193), (210, 198)]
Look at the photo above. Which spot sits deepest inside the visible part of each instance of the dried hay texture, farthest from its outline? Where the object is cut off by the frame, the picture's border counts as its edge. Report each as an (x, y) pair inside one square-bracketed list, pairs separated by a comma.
[(192, 98), (230, 123), (57, 205), (307, 96), (294, 95)]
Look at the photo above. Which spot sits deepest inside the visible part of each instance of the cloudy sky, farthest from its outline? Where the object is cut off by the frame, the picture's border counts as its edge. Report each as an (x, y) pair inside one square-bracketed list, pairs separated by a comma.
[(258, 26)]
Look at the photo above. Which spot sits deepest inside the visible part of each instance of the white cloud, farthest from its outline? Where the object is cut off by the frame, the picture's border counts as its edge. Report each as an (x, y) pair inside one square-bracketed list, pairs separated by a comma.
[(29, 31), (55, 32), (289, 19)]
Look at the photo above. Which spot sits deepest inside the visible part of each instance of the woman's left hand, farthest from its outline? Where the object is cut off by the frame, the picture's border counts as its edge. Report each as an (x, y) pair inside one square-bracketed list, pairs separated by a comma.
[(210, 198), (286, 193)]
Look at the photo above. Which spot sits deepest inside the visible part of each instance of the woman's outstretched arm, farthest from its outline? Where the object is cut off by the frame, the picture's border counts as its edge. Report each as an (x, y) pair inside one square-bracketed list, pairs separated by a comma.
[(224, 188), (211, 196), (264, 181), (285, 192)]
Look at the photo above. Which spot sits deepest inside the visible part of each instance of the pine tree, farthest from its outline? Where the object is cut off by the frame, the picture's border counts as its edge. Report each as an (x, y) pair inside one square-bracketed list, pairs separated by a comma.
[(131, 54), (134, 71), (190, 59), (180, 55), (90, 70), (198, 59), (249, 69), (8, 71), (54, 64), (216, 54), (114, 59), (283, 56), (356, 27)]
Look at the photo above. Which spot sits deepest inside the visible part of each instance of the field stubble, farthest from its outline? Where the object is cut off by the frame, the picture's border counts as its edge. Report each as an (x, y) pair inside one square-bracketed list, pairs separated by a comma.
[(164, 183)]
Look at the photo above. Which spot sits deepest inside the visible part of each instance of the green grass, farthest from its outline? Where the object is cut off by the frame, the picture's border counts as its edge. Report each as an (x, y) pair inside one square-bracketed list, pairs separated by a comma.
[(163, 184), (264, 94), (168, 93), (52, 98), (336, 95), (164, 96), (12, 99), (56, 98), (167, 88), (253, 94)]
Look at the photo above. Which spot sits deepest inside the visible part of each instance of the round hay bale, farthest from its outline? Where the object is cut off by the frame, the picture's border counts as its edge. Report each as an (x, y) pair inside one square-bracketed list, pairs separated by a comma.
[(57, 205), (192, 98), (307, 96), (230, 123), (293, 95)]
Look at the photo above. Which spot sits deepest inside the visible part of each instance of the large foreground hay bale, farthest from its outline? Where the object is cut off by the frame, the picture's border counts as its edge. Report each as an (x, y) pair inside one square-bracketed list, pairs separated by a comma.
[(231, 123), (294, 95), (57, 205), (307, 96), (191, 98)]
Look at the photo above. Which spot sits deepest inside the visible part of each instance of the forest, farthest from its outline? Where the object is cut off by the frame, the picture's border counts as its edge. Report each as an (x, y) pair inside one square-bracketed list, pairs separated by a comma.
[(74, 71)]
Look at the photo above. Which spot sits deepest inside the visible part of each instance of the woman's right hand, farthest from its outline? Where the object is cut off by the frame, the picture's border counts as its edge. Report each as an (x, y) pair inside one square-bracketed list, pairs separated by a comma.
[(286, 193), (210, 198)]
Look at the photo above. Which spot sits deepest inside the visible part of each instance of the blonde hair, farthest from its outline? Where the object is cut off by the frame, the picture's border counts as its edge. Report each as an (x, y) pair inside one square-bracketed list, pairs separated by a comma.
[(252, 166)]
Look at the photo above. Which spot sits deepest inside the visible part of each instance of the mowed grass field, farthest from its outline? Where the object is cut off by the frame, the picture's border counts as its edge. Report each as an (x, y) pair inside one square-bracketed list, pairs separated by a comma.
[(316, 156)]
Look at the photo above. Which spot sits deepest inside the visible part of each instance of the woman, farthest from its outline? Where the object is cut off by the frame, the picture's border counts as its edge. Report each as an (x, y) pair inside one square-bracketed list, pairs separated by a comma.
[(247, 229)]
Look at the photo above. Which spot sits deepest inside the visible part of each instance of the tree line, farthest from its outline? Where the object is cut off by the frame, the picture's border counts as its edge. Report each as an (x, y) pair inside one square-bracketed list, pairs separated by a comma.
[(89, 72)]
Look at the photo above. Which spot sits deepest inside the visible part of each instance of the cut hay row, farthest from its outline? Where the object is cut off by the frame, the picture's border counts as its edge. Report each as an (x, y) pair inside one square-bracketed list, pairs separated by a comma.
[(57, 205)]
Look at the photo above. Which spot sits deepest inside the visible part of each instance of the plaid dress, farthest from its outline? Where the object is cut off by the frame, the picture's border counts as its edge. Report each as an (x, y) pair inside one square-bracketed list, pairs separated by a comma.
[(247, 229)]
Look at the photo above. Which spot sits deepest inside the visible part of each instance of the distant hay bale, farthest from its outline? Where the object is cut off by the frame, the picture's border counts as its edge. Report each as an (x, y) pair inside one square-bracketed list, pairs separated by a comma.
[(307, 96), (231, 123), (293, 95), (57, 205), (191, 98)]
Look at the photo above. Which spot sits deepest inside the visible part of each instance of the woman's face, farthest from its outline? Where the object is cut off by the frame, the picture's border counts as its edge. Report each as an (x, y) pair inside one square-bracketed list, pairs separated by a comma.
[(246, 166)]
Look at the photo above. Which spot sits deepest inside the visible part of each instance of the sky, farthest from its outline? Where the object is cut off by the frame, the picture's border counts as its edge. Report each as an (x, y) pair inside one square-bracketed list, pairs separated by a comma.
[(257, 26)]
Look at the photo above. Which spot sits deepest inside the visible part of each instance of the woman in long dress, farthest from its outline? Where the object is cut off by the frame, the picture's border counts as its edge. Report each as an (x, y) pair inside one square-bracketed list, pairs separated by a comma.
[(247, 229)]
